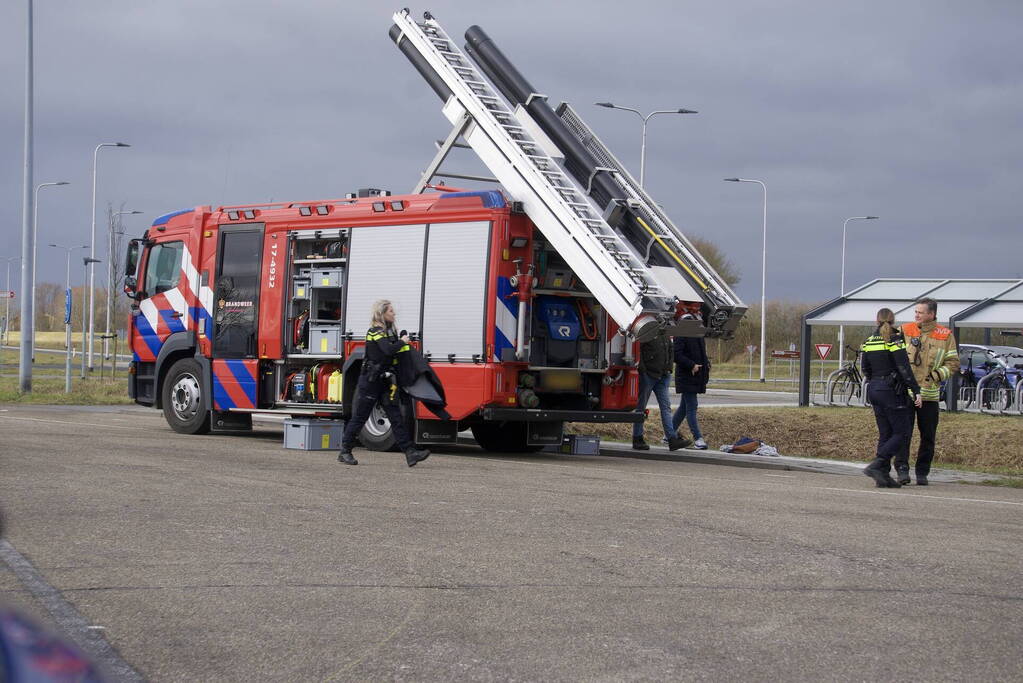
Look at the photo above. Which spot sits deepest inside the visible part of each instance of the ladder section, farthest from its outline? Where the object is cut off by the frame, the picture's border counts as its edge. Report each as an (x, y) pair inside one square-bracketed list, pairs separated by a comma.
[(726, 306), (606, 264)]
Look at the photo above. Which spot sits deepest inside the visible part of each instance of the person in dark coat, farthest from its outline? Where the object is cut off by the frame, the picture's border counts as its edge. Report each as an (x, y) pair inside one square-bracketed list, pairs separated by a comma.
[(692, 372)]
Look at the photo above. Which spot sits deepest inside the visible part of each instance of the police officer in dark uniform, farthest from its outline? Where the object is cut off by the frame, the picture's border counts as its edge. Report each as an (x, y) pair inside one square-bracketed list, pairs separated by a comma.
[(377, 384), (890, 383)]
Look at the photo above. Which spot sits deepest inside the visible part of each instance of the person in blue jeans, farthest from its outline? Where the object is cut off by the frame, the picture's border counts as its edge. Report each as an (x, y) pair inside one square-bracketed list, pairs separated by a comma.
[(655, 362), (692, 372)]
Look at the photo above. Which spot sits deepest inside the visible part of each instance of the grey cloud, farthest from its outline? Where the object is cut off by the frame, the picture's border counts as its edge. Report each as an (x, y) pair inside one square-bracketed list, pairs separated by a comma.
[(909, 110)]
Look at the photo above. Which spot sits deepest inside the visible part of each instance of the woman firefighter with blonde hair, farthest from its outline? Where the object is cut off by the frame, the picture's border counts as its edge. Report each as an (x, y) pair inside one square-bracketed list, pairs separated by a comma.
[(891, 387), (377, 384)]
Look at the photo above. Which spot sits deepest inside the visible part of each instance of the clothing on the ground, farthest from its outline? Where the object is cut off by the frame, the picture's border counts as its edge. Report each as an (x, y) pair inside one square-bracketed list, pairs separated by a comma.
[(933, 356), (659, 387)]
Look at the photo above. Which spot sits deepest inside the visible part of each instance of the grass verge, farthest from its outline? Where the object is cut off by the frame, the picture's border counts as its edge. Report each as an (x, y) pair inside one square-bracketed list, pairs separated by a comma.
[(982, 443), (49, 390)]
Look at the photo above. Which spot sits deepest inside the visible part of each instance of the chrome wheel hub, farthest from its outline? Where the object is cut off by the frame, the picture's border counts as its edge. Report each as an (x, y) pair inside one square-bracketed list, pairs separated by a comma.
[(185, 397)]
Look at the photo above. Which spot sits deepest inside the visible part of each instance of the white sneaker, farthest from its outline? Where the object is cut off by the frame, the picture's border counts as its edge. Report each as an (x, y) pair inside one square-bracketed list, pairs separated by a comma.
[(700, 445)]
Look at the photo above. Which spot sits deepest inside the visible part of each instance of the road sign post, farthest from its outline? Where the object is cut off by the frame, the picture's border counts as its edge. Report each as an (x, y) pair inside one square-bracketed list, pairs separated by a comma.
[(823, 350), (751, 349)]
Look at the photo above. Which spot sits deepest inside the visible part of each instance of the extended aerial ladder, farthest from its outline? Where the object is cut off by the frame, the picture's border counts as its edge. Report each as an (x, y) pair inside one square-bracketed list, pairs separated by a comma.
[(727, 309), (604, 230)]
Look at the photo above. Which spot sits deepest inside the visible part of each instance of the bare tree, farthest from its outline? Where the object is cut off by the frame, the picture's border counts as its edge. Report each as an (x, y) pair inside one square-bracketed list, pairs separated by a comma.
[(728, 271)]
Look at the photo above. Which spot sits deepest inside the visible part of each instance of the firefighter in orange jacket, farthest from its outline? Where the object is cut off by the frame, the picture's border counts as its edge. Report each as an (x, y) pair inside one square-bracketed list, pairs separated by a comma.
[(933, 356)]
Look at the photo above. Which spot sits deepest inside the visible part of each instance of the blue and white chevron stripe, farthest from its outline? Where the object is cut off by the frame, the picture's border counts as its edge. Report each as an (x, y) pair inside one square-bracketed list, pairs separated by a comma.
[(506, 319)]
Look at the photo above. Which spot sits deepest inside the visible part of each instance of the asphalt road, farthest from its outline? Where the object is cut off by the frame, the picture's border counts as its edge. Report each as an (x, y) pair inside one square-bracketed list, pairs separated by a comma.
[(228, 558), (739, 398)]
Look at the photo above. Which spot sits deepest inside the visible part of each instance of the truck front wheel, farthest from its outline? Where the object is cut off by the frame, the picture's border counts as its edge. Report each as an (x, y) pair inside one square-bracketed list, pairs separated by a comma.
[(183, 402)]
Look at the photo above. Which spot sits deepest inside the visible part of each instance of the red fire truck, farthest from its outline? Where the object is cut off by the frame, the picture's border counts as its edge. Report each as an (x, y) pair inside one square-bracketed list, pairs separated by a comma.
[(529, 302)]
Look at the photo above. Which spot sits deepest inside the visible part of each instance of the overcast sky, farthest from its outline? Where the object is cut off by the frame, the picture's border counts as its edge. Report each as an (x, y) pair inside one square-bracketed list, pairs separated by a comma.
[(909, 110)]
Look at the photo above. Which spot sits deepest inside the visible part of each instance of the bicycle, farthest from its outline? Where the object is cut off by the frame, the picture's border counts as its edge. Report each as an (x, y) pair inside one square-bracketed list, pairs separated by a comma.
[(846, 382), (967, 388)]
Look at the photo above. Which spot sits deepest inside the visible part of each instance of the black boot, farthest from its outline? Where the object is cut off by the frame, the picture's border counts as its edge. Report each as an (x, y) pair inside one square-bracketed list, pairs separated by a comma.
[(921, 479), (678, 442), (904, 477), (346, 456), (415, 455), (638, 444), (878, 471)]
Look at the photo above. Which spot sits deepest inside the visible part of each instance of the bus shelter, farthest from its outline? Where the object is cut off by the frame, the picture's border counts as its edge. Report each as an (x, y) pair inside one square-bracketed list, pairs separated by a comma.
[(983, 303)]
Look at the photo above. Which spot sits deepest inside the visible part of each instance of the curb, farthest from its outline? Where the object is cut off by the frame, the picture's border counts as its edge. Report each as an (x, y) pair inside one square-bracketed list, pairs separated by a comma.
[(712, 457)]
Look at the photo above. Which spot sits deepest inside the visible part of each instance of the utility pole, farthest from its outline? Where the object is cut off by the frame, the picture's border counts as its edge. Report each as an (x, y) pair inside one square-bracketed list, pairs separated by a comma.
[(87, 261), (27, 244)]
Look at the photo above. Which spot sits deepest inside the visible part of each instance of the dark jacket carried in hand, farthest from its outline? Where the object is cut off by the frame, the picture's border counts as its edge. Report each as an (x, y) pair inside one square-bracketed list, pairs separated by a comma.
[(418, 380), (690, 352), (655, 355)]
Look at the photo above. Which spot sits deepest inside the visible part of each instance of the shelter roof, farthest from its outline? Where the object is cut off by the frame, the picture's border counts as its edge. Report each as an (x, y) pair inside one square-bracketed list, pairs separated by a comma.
[(975, 302)]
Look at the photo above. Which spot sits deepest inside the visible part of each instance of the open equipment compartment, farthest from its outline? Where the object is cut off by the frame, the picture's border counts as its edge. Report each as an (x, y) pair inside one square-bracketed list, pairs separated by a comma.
[(310, 373)]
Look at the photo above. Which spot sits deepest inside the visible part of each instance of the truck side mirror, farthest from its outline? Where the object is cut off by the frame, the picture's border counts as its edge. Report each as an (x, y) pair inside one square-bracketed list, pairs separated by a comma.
[(130, 283), (131, 261)]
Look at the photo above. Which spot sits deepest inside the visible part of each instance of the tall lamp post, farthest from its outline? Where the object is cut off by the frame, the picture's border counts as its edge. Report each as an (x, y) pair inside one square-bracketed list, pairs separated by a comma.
[(87, 262), (7, 314), (92, 250), (24, 348), (763, 282), (67, 317), (841, 328), (642, 149), (110, 280), (35, 262)]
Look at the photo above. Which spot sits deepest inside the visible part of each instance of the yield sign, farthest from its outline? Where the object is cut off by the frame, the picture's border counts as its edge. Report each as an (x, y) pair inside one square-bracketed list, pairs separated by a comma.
[(823, 350)]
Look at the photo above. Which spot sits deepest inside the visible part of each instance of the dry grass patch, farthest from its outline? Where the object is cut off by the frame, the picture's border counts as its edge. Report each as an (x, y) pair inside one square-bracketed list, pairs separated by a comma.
[(48, 390), (985, 443)]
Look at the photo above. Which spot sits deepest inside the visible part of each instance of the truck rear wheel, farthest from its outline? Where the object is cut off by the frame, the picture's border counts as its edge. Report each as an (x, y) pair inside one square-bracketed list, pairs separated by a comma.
[(183, 402), (503, 437), (377, 434)]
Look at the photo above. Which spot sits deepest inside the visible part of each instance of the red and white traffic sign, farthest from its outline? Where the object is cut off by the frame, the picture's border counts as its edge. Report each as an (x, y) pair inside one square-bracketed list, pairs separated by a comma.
[(823, 350)]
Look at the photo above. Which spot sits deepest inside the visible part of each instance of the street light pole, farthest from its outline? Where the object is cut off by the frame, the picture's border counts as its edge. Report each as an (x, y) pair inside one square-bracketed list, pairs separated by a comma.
[(25, 350), (646, 119), (87, 261), (92, 249), (110, 280), (35, 261), (841, 328), (763, 282), (67, 317)]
